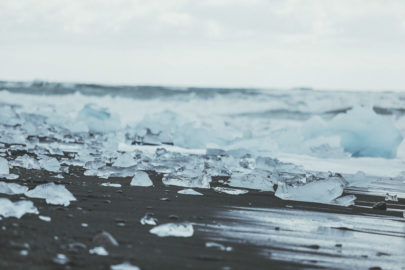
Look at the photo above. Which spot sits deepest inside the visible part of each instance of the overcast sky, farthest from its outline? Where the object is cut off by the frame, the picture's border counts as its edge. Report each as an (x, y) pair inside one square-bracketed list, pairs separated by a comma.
[(342, 44)]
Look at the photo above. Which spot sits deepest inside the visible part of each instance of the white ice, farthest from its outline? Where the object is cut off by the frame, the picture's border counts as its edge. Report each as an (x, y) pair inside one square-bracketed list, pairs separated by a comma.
[(52, 193), (189, 191), (111, 185), (124, 266), (45, 218), (101, 251), (16, 209), (149, 220), (173, 229), (321, 191), (4, 168), (12, 188), (230, 191), (141, 179)]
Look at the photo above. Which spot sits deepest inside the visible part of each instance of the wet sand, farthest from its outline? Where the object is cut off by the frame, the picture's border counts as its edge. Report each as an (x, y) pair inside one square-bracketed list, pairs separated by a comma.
[(217, 217)]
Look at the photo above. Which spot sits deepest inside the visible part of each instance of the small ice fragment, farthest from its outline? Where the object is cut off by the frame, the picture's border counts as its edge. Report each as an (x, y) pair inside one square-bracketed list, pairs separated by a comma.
[(4, 169), (50, 164), (60, 259), (148, 220), (321, 191), (101, 251), (84, 225), (345, 200), (12, 188), (393, 197), (45, 218), (141, 179), (16, 209), (231, 191), (124, 266), (189, 191), (218, 246), (111, 185), (173, 229), (24, 252), (52, 193)]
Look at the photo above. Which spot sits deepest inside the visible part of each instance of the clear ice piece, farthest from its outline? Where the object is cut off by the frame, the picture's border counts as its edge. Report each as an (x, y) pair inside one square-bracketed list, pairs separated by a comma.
[(173, 229), (16, 209), (52, 193), (141, 179), (189, 191)]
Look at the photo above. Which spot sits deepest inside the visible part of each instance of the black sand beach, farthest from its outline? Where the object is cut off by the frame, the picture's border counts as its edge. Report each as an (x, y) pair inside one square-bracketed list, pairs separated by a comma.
[(119, 210)]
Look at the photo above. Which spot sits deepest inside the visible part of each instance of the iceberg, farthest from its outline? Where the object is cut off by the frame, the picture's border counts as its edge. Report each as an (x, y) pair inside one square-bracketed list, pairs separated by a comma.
[(141, 179), (52, 193), (16, 209), (173, 229)]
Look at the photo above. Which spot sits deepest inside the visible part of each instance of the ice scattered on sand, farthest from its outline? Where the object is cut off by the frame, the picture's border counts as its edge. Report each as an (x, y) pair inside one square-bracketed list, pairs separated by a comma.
[(4, 168), (230, 191), (45, 218), (60, 259), (141, 179), (189, 191), (391, 197), (12, 188), (312, 190), (124, 266), (101, 251), (24, 252), (149, 220), (111, 185), (52, 193), (218, 246), (173, 229), (346, 201), (50, 164), (84, 225), (16, 209)]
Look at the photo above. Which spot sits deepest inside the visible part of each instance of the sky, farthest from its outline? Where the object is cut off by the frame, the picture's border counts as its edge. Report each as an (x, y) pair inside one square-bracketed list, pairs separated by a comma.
[(323, 44)]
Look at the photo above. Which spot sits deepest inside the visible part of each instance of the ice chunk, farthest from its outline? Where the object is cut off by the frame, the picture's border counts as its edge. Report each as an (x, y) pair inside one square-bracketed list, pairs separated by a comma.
[(201, 181), (124, 266), (148, 220), (173, 229), (16, 209), (45, 218), (189, 191), (61, 259), (111, 185), (230, 191), (52, 193), (125, 160), (218, 246), (101, 251), (99, 119), (50, 164), (12, 188), (345, 200), (315, 190), (4, 169), (257, 179), (391, 197), (26, 162), (141, 179)]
